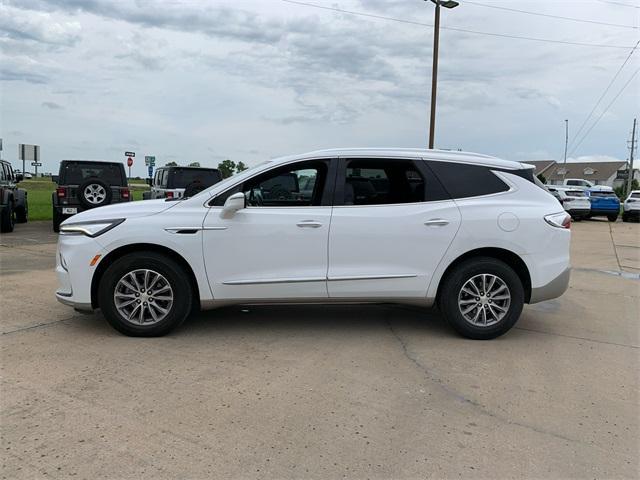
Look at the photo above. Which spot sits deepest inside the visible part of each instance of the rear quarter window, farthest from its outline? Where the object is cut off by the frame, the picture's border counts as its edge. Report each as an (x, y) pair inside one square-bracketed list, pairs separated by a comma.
[(463, 180)]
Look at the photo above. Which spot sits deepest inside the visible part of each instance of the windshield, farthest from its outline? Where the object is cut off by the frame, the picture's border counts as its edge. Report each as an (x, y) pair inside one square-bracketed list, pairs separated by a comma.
[(635, 195), (604, 194)]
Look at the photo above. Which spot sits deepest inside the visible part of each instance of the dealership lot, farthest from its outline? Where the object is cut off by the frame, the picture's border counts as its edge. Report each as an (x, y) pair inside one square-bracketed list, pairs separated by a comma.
[(324, 392)]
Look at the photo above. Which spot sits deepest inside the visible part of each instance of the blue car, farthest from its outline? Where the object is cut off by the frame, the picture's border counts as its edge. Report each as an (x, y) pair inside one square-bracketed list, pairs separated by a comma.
[(604, 203)]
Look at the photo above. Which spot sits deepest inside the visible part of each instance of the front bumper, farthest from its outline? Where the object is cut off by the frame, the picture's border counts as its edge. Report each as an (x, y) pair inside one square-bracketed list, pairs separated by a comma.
[(73, 258), (553, 289), (66, 300)]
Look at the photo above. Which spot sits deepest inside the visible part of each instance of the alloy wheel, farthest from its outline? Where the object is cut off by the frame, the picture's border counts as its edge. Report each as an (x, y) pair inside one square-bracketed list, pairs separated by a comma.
[(95, 193), (143, 297), (484, 300)]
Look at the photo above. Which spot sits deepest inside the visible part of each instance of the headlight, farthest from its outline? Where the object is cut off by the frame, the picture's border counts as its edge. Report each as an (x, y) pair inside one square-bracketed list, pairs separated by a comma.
[(90, 229)]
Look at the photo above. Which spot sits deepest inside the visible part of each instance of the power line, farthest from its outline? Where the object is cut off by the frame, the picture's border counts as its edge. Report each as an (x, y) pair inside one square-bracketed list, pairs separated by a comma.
[(558, 17), (456, 29), (606, 90), (605, 111), (619, 3)]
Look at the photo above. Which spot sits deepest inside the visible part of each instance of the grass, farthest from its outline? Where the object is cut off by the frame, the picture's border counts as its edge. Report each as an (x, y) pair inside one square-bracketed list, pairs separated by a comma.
[(39, 193)]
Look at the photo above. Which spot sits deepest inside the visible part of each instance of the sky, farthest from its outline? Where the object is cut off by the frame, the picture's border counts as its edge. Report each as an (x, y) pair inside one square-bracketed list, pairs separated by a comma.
[(202, 81)]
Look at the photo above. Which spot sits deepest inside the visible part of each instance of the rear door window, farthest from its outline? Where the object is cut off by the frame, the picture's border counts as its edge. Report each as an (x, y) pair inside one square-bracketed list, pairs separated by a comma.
[(379, 181)]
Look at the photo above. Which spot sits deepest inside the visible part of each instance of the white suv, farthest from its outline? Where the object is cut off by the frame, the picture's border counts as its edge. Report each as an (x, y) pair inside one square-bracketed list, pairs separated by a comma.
[(631, 207), (472, 234)]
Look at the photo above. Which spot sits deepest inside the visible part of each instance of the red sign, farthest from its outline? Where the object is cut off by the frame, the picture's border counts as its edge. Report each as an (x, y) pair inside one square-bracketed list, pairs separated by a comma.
[(129, 161)]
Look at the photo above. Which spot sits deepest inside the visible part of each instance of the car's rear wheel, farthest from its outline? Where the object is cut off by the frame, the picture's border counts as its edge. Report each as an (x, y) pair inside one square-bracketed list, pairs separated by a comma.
[(7, 219), (482, 298), (145, 294), (612, 218)]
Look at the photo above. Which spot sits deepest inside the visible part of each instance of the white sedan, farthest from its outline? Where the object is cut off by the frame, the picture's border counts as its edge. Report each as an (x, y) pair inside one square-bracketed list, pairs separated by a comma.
[(472, 234)]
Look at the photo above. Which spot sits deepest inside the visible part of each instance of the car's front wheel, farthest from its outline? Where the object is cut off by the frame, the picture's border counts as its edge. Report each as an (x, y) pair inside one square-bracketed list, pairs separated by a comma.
[(612, 218), (145, 294), (482, 298)]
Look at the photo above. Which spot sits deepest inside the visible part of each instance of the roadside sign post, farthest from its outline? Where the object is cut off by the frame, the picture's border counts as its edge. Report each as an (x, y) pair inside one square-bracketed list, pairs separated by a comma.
[(150, 161), (130, 156), (29, 153)]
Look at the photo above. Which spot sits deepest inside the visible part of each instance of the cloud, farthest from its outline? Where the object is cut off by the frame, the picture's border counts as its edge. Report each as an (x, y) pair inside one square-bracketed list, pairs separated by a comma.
[(32, 26), (52, 106)]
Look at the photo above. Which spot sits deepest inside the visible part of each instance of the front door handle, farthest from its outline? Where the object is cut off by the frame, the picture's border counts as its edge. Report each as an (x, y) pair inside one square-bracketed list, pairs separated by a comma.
[(436, 222), (309, 224)]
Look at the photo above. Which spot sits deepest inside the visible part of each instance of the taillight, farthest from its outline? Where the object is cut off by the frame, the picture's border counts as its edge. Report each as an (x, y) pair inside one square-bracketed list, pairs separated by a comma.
[(168, 194), (124, 193), (61, 192), (559, 220)]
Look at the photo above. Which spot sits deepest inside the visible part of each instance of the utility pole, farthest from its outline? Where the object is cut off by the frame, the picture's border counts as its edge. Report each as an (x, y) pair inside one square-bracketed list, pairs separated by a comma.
[(566, 139), (434, 76), (434, 72), (566, 143), (633, 144)]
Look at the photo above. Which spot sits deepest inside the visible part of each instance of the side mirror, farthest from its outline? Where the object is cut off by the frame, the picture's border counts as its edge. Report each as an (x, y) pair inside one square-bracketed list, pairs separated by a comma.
[(19, 177), (149, 181), (235, 202), (54, 178)]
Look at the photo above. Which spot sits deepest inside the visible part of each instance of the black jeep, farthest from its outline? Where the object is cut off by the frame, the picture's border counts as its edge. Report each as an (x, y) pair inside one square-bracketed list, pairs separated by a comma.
[(85, 184), (13, 200)]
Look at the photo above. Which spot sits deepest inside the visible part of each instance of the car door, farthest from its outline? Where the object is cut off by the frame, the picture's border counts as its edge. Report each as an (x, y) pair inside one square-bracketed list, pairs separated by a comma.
[(275, 247), (392, 223)]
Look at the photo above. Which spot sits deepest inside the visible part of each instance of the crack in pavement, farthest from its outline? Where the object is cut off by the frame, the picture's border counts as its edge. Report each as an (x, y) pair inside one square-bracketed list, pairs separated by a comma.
[(481, 408), (576, 338), (22, 329)]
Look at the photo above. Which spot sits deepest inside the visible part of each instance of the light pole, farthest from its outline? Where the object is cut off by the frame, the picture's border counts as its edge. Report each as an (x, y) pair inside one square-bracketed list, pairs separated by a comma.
[(434, 71)]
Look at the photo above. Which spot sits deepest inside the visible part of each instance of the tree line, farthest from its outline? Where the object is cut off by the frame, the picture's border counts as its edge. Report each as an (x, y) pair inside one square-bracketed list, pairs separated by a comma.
[(227, 167)]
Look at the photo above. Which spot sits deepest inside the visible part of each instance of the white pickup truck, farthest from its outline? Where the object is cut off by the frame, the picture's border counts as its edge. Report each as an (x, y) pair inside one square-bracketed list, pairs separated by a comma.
[(580, 183)]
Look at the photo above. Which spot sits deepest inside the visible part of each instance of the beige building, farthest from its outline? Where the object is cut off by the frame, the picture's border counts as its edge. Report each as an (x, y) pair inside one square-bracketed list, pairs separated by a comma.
[(612, 174)]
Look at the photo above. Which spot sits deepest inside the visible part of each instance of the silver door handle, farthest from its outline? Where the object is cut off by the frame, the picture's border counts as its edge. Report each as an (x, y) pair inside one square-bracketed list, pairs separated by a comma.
[(309, 224), (436, 222)]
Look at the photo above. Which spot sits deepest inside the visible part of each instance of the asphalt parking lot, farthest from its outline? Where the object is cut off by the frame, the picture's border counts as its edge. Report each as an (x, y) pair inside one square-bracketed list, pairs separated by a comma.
[(324, 392)]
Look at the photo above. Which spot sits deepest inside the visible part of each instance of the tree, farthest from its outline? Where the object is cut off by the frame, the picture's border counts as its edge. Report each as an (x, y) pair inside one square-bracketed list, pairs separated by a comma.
[(194, 164), (171, 164), (542, 178), (241, 167), (227, 168)]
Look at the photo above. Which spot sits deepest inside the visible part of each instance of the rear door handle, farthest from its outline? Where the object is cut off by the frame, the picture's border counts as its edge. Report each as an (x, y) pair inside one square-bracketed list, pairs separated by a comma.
[(309, 224), (436, 222)]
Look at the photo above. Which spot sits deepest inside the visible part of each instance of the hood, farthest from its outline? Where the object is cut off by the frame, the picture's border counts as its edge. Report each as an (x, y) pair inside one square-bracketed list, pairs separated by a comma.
[(140, 208)]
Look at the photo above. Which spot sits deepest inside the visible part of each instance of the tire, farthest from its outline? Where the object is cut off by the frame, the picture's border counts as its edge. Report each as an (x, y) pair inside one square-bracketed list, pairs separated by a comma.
[(612, 218), (22, 213), (625, 218), (7, 219), (57, 220), (459, 277), (93, 193), (172, 274)]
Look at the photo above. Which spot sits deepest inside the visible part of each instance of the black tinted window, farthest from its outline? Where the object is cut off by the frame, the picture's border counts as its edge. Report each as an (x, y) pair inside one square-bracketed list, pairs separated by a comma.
[(383, 182), (76, 173), (181, 177), (462, 180)]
